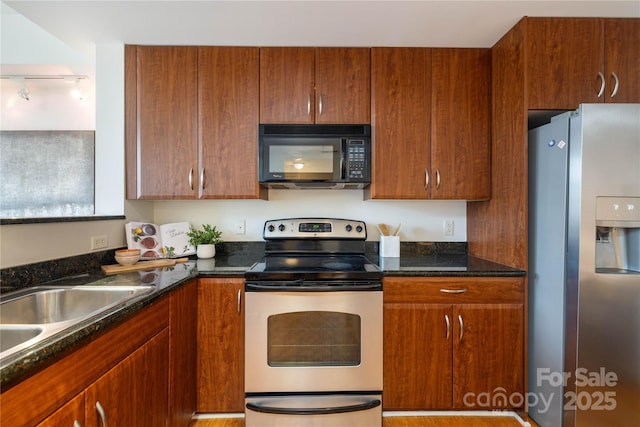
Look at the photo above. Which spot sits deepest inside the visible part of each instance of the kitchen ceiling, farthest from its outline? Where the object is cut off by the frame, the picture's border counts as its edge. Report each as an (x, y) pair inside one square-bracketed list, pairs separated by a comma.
[(82, 24)]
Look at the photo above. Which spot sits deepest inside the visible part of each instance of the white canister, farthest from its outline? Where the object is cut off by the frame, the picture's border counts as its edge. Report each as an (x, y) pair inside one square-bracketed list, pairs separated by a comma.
[(390, 246)]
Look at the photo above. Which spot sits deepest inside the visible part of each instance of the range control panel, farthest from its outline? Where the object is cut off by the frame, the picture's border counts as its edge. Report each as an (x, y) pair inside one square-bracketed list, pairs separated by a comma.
[(315, 228)]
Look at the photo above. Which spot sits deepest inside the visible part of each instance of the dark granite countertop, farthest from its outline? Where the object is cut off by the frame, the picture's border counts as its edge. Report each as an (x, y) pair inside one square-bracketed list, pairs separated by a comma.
[(232, 261), (459, 265)]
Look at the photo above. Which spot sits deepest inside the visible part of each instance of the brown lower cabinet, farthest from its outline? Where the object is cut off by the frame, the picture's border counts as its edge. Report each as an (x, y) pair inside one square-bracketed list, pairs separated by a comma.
[(453, 343), (138, 371), (220, 367)]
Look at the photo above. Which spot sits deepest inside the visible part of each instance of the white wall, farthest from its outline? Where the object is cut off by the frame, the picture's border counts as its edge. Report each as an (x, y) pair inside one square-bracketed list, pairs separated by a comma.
[(28, 243), (421, 220)]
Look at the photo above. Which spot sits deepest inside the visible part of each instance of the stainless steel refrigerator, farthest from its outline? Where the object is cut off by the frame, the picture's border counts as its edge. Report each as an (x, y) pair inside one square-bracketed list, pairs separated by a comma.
[(584, 268)]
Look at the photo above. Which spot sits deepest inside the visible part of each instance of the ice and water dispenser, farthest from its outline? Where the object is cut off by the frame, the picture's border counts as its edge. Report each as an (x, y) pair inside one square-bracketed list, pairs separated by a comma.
[(618, 235)]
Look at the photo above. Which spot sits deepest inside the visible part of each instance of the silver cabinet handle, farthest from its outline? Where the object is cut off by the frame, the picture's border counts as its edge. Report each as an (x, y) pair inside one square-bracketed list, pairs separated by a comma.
[(437, 178), (76, 424), (448, 325), (426, 178), (103, 415), (191, 178), (461, 327), (309, 104), (616, 84), (239, 301), (453, 291), (320, 104), (201, 179), (601, 91)]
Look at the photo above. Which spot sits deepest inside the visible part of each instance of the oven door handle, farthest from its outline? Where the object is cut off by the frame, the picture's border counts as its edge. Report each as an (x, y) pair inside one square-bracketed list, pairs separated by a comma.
[(249, 287), (314, 411)]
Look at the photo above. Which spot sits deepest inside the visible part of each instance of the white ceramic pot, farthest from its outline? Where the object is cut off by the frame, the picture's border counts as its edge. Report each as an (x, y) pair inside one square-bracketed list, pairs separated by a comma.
[(206, 251)]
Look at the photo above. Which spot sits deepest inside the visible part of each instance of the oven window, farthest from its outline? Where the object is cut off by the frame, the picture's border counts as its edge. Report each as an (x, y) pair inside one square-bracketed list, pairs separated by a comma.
[(314, 338)]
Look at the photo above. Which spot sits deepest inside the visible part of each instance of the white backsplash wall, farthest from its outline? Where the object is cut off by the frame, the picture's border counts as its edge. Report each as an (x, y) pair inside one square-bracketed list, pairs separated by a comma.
[(421, 220)]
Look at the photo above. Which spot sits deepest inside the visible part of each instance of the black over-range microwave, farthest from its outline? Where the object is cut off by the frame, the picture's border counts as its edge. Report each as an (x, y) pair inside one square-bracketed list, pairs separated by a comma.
[(315, 156)]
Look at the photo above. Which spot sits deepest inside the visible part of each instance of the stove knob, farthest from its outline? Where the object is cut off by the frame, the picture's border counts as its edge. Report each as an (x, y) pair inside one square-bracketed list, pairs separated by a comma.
[(281, 227), (359, 229), (271, 228), (349, 228)]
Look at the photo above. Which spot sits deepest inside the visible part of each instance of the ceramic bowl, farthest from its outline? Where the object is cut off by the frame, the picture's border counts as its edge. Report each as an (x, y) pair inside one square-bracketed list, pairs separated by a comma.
[(128, 252), (127, 260)]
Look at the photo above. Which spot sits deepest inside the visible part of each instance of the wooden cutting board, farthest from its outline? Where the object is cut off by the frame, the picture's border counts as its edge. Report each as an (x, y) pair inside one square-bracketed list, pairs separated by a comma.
[(141, 265)]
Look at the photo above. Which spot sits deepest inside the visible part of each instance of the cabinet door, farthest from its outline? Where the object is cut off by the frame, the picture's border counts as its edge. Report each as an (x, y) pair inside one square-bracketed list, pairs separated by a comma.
[(488, 356), (70, 415), (220, 376), (183, 348), (461, 120), (135, 391), (167, 122), (400, 118), (622, 38), (564, 58), (228, 79), (343, 85), (286, 85), (417, 356)]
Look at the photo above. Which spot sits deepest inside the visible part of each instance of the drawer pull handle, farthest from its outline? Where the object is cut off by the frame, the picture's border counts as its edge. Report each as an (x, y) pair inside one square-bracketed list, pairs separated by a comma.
[(103, 415), (453, 291), (448, 325), (602, 83), (616, 84)]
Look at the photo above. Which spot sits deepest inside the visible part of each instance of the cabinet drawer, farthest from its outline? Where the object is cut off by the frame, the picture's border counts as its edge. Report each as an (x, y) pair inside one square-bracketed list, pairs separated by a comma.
[(454, 289)]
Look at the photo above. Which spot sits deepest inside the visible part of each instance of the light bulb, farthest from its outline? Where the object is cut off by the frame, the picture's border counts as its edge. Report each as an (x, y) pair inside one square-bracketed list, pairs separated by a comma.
[(77, 91)]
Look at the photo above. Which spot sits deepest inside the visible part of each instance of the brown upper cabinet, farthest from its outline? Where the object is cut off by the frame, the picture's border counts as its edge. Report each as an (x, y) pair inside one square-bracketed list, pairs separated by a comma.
[(314, 85), (191, 122), (431, 121), (581, 60)]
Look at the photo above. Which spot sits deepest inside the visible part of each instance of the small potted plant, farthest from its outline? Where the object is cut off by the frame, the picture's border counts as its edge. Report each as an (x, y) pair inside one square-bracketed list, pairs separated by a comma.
[(205, 240)]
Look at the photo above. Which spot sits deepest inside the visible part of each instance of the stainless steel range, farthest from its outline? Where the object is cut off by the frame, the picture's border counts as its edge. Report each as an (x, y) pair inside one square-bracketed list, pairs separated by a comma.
[(313, 340)]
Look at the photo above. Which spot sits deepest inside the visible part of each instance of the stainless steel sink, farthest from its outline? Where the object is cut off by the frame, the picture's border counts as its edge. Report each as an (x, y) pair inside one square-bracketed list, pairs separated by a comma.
[(12, 336), (29, 316), (60, 305)]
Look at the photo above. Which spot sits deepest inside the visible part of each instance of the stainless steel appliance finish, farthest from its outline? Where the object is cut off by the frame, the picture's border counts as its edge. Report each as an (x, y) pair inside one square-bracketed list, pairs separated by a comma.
[(313, 321), (314, 156), (584, 268)]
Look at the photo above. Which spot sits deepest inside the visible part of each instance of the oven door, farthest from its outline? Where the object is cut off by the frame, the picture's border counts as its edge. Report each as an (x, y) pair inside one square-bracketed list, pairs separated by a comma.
[(313, 341)]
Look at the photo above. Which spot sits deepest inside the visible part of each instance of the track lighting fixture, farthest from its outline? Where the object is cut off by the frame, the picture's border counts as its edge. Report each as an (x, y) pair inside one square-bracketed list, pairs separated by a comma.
[(24, 91)]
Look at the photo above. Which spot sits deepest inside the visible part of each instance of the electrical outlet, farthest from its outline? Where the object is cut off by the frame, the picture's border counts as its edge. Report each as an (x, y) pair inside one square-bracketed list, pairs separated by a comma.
[(448, 227), (240, 227), (99, 242)]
